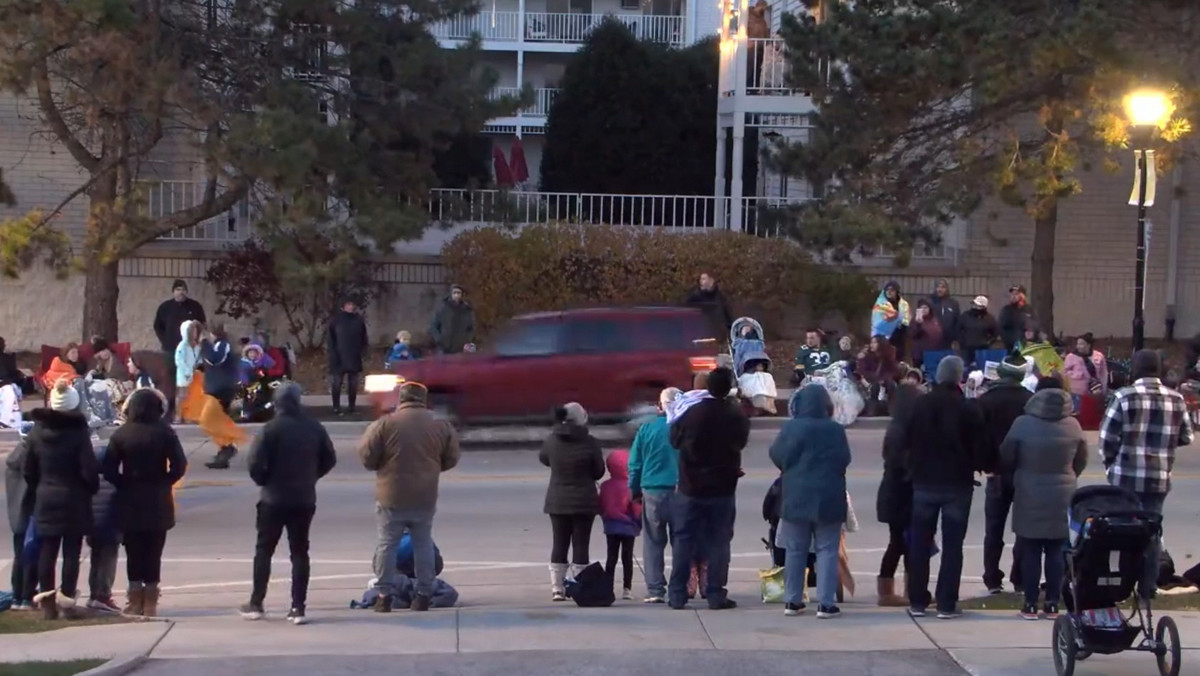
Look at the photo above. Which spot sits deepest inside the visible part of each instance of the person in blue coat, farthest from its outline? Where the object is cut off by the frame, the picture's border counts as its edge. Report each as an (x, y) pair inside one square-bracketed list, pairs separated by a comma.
[(813, 453)]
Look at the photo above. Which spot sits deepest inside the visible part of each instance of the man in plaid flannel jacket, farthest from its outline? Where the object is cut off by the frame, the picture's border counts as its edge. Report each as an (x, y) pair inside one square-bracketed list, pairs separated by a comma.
[(1142, 427)]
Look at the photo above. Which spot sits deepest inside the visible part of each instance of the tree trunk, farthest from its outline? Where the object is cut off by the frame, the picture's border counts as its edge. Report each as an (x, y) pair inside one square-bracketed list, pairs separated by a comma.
[(100, 294), (1041, 269)]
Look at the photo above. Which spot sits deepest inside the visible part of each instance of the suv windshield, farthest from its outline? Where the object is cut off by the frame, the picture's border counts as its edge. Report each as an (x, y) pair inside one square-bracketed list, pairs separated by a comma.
[(529, 338)]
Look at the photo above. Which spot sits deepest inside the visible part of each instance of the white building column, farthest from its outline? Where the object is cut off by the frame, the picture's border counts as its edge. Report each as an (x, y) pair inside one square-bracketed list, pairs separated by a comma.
[(520, 58), (736, 198), (719, 182)]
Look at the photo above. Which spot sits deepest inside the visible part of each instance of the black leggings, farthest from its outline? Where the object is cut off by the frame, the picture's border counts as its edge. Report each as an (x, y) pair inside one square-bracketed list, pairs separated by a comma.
[(897, 550), (572, 531), (143, 556), (72, 549), (620, 545)]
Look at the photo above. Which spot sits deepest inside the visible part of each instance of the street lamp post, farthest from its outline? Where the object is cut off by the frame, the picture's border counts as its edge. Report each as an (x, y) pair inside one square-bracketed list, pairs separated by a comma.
[(1147, 110)]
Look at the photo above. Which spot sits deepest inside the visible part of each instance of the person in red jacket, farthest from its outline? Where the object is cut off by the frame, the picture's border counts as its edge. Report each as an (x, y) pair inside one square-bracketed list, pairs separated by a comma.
[(622, 518)]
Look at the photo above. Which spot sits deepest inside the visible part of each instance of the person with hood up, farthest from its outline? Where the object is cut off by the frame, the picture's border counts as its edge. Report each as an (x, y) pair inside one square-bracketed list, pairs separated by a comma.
[(813, 453), (622, 520), (1045, 452), (254, 364), (168, 323), (189, 372), (287, 459), (710, 435), (976, 330), (946, 310), (893, 502), (453, 326), (1014, 317), (62, 472), (220, 388), (940, 442), (890, 317), (707, 296), (144, 461), (347, 342), (653, 475), (928, 333), (1003, 402), (19, 501), (408, 450), (576, 463)]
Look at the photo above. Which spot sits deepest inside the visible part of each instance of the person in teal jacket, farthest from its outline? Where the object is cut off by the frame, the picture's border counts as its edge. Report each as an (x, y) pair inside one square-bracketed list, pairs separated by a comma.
[(653, 474), (813, 453)]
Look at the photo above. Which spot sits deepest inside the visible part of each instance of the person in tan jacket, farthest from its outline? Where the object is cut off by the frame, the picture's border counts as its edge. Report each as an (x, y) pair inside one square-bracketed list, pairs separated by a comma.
[(408, 450)]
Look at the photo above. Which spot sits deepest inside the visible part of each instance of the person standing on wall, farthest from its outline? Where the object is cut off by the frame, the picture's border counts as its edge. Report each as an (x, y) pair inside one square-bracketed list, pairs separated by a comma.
[(347, 343), (453, 326), (171, 314)]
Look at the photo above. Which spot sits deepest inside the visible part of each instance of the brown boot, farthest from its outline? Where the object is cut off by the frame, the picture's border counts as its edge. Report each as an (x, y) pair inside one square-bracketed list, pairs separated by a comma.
[(886, 590), (135, 599), (150, 601)]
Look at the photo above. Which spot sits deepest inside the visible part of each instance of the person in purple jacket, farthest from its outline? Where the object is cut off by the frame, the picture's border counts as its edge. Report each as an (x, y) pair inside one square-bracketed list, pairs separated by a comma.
[(622, 518)]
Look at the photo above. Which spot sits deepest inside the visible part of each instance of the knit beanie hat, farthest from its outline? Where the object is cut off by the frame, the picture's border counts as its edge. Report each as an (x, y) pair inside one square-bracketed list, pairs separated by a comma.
[(1012, 368), (411, 392), (64, 397), (950, 370)]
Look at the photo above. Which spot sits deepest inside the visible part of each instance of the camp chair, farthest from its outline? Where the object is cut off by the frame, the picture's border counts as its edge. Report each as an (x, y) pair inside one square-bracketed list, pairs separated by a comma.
[(930, 362), (982, 357)]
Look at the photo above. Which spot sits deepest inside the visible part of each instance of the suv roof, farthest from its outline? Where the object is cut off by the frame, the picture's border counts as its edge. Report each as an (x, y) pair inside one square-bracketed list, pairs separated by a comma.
[(660, 310)]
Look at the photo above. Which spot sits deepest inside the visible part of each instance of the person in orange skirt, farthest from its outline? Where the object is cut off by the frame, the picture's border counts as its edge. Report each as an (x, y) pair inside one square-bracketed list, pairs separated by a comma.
[(220, 386)]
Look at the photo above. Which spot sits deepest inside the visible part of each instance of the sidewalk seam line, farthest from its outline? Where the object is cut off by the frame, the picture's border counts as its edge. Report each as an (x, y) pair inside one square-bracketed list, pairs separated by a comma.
[(705, 628), (170, 627), (458, 631), (938, 646)]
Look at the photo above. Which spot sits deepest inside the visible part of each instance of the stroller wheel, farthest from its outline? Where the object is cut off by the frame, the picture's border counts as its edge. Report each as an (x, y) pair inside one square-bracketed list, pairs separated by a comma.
[(1167, 648), (1064, 646)]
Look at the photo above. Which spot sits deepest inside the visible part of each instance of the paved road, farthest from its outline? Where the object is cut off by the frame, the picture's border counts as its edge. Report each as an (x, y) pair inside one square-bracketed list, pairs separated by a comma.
[(495, 539)]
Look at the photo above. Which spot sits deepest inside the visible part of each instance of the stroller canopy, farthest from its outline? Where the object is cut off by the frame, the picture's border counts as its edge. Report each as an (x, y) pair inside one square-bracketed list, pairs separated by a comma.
[(1092, 501), (749, 351)]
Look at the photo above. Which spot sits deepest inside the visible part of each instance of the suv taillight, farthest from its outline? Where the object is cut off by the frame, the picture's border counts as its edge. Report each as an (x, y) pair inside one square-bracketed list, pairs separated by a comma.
[(703, 364)]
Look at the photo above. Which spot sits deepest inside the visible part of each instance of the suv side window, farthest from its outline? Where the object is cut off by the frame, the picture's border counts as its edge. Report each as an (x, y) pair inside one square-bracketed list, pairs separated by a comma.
[(599, 336), (674, 332), (530, 339)]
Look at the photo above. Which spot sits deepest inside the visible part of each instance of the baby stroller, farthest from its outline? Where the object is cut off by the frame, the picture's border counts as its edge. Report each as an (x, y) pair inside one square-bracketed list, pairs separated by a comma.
[(752, 365), (258, 397), (1110, 533)]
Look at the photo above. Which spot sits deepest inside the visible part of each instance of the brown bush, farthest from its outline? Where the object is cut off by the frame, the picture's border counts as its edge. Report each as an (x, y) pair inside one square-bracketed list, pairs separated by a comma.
[(541, 268)]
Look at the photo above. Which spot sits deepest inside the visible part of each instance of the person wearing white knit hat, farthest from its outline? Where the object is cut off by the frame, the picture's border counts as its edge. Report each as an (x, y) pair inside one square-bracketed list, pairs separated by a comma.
[(64, 473), (976, 330)]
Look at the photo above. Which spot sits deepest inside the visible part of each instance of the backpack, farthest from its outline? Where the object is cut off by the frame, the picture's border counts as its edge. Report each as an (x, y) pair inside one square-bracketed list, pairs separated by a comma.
[(591, 588)]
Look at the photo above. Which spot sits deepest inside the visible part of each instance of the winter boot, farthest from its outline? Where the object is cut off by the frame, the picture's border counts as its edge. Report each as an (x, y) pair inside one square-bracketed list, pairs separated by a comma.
[(221, 460), (135, 599), (150, 601), (558, 576), (886, 590), (46, 601)]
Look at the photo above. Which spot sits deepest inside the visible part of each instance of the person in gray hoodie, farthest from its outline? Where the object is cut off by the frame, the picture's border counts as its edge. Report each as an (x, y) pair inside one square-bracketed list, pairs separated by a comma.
[(19, 500), (1046, 452)]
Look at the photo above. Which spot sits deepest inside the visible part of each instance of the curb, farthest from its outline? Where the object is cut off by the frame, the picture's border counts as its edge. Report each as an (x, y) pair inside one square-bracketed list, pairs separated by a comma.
[(118, 666)]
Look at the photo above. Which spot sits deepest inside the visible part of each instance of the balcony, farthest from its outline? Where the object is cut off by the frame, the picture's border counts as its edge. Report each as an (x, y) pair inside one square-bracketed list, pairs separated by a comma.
[(549, 28), (541, 105), (167, 197)]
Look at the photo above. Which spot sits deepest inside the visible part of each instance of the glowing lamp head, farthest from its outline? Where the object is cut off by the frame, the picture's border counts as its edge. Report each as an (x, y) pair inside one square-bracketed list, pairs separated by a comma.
[(1148, 108)]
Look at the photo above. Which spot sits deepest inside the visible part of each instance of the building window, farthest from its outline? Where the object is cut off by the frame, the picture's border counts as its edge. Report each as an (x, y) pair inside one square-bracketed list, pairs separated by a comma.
[(631, 4), (310, 44)]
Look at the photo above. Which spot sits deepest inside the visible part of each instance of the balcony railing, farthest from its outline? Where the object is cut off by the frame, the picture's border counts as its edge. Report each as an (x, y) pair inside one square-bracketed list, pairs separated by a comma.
[(167, 197), (562, 28), (541, 104), (766, 68)]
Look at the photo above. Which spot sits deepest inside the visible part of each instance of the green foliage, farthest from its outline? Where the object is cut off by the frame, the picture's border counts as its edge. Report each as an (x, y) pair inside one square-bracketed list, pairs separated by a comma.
[(552, 267), (25, 240), (633, 118), (303, 273), (926, 107)]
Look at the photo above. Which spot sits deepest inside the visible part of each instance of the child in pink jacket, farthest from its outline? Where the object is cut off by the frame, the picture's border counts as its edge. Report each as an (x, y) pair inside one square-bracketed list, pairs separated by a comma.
[(622, 518)]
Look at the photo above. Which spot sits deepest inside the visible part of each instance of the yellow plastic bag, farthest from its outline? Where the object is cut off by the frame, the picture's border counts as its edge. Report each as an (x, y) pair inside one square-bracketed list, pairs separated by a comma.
[(771, 581)]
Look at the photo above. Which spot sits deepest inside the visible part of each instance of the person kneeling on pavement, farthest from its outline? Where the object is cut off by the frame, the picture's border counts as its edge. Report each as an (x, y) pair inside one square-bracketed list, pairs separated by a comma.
[(408, 450), (287, 459)]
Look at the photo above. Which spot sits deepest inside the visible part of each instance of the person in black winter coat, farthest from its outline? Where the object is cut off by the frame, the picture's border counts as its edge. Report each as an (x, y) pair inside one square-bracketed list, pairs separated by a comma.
[(19, 499), (288, 457), (976, 330), (576, 463), (171, 315), (1014, 317), (453, 324), (940, 443), (710, 436), (708, 297), (144, 460), (63, 473), (347, 342), (893, 503), (947, 311), (1001, 405)]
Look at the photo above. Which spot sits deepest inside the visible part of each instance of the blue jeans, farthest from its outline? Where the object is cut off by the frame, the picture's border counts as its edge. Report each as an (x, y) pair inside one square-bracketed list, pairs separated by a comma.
[(392, 523), (954, 506), (797, 538), (704, 527), (656, 523), (1151, 502), (1033, 551)]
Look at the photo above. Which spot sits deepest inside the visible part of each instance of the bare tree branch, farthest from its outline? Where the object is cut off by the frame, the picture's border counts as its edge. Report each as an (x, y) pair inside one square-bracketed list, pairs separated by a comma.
[(57, 124)]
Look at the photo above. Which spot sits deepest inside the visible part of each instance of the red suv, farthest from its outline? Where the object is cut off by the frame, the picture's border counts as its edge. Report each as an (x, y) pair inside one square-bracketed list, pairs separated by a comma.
[(611, 360)]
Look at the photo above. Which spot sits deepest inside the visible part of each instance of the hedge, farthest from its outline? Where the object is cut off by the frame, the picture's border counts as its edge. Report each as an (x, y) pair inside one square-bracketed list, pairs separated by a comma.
[(509, 272)]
